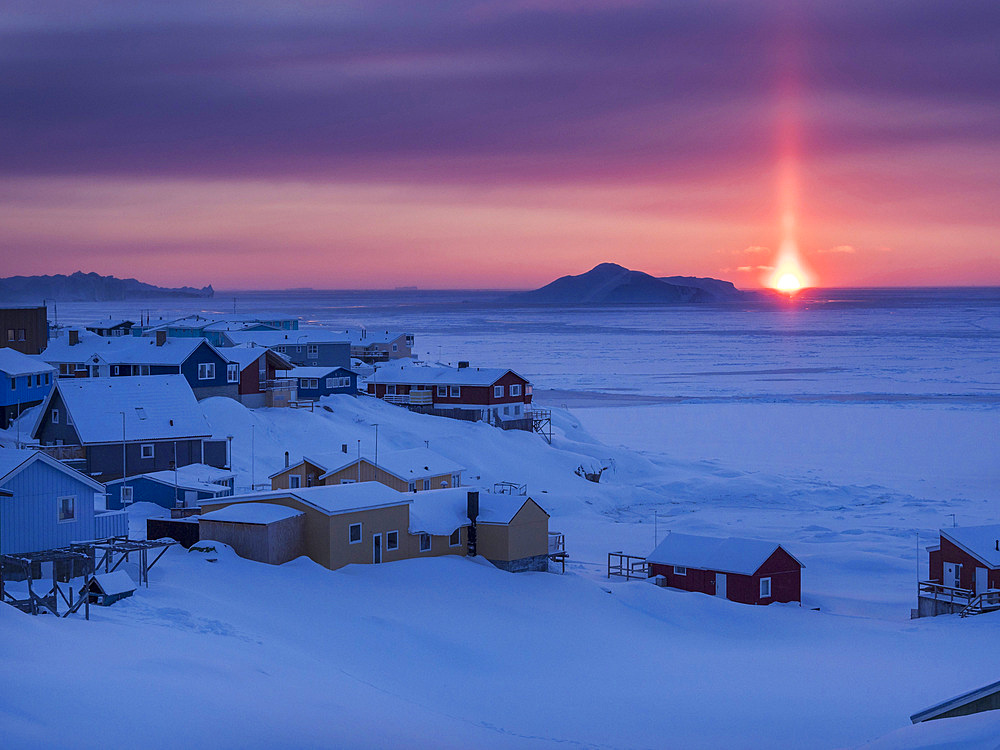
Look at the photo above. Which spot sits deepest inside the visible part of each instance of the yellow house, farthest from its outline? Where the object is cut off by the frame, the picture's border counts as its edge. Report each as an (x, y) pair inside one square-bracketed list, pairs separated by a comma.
[(367, 522), (410, 470)]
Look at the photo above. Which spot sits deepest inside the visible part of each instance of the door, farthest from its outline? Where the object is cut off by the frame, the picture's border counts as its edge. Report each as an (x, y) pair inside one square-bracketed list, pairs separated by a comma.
[(720, 585), (953, 575), (377, 549), (981, 580)]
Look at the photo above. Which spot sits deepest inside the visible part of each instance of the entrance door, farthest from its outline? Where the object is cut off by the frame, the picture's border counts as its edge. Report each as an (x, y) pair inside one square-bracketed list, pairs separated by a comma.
[(981, 580), (953, 575), (720, 585), (377, 549)]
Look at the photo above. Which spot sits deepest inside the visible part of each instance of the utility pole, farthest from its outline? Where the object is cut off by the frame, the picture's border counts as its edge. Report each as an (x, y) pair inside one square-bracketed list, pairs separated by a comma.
[(252, 459), (359, 459), (376, 443)]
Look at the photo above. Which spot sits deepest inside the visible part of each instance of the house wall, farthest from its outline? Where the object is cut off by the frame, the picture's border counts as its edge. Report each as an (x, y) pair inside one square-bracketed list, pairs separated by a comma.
[(189, 369), (250, 378), (32, 320), (29, 520), (273, 543), (314, 394), (951, 553), (333, 354), (369, 473), (307, 472), (526, 536), (783, 571), (105, 459), (27, 388), (56, 434)]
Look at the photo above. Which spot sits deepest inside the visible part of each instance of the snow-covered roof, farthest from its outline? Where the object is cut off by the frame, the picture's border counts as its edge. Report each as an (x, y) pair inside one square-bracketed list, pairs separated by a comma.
[(367, 337), (440, 512), (259, 513), (111, 323), (335, 499), (14, 460), (298, 337), (13, 363), (310, 372), (981, 542), (409, 373), (407, 464), (729, 555), (200, 477), (246, 355), (124, 350), (115, 582), (156, 407)]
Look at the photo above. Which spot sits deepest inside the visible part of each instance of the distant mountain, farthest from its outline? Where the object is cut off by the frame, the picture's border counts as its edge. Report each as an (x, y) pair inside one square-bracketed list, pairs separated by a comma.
[(611, 284), (87, 287)]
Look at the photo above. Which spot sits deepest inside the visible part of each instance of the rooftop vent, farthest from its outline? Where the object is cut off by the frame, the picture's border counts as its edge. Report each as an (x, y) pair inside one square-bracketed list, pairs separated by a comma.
[(462, 365)]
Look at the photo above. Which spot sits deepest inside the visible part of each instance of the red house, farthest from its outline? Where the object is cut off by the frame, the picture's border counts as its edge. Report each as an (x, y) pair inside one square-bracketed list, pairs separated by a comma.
[(495, 395), (748, 571), (262, 381), (964, 572)]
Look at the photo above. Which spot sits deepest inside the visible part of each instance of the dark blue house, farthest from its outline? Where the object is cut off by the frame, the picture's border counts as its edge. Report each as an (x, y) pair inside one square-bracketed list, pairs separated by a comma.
[(184, 487), (315, 382), (24, 381), (207, 370)]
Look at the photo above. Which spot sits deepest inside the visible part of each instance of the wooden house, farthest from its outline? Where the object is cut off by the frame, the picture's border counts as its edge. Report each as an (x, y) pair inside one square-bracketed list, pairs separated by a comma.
[(183, 487), (216, 327), (367, 522), (305, 347), (206, 369), (494, 395), (115, 427), (112, 327), (410, 470), (372, 346), (45, 504), (262, 382), (964, 572), (24, 381), (312, 383), (24, 329), (264, 532), (748, 571)]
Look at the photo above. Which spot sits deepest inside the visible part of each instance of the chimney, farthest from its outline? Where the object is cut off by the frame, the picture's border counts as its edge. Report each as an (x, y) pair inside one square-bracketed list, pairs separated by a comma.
[(463, 365), (286, 459), (161, 338), (343, 447), (74, 337), (473, 513)]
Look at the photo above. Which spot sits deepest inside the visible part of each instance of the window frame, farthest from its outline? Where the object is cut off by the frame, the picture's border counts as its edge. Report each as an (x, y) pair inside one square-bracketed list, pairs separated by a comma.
[(350, 533), (206, 371), (680, 570), (294, 481), (766, 583), (54, 416), (455, 391), (60, 518), (232, 372), (442, 391), (127, 495), (515, 389), (152, 451), (456, 533), (424, 537), (498, 391), (389, 537)]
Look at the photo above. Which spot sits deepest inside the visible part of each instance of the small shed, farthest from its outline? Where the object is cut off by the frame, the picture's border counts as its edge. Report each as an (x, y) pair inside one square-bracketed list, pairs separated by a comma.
[(105, 589), (263, 532), (749, 571)]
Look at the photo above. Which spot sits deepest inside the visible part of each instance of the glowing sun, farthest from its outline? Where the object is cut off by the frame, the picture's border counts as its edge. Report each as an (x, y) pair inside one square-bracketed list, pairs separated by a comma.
[(788, 282)]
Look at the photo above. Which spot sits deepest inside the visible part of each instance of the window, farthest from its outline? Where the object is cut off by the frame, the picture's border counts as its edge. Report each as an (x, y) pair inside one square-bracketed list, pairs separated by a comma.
[(455, 480), (294, 481), (144, 369), (515, 389), (498, 391), (114, 370), (127, 496), (55, 416), (392, 541), (390, 390), (680, 570), (332, 383), (427, 484), (13, 383), (425, 542), (395, 347), (517, 409), (312, 351), (506, 411), (456, 391), (206, 371), (354, 533), (20, 334), (146, 450), (456, 538), (67, 508), (140, 412), (281, 349), (412, 487), (10, 334), (46, 378), (233, 373), (442, 391), (348, 481), (765, 588), (38, 380)]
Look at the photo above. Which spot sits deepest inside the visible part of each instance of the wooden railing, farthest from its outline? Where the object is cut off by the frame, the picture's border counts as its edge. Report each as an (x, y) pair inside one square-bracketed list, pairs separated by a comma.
[(988, 601), (627, 566), (935, 590), (65, 452)]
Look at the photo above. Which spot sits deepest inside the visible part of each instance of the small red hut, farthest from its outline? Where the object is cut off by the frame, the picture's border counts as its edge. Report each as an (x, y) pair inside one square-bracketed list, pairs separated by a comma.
[(748, 571)]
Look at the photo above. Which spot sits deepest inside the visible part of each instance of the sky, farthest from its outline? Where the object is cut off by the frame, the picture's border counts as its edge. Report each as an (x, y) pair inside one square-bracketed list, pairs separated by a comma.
[(376, 144)]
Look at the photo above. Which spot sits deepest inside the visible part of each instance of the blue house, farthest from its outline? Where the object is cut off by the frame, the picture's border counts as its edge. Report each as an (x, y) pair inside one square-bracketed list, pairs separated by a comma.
[(24, 381), (316, 382), (82, 355), (184, 487), (45, 504)]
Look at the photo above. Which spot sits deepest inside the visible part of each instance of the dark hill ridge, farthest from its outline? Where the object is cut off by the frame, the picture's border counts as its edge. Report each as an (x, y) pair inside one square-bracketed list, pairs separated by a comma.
[(88, 287), (611, 284)]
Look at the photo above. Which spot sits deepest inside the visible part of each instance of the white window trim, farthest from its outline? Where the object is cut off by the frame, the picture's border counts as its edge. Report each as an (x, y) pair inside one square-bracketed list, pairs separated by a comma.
[(233, 372), (55, 416), (515, 389), (59, 500), (294, 481), (428, 538), (442, 391), (142, 451), (388, 536), (206, 371), (455, 391), (680, 570), (360, 533), (127, 494), (457, 531), (765, 583), (498, 391)]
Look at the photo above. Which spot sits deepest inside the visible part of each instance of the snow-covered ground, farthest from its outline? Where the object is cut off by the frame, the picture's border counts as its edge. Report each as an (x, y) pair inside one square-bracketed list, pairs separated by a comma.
[(848, 435)]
